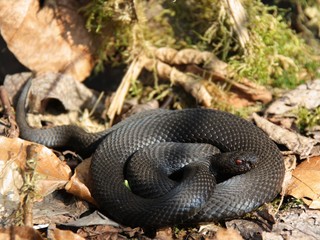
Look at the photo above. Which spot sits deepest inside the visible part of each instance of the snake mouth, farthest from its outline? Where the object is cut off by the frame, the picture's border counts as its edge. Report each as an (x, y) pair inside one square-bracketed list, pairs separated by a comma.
[(245, 164), (249, 165)]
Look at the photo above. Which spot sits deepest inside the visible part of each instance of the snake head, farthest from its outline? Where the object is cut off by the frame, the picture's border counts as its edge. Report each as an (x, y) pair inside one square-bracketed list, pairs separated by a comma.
[(233, 163)]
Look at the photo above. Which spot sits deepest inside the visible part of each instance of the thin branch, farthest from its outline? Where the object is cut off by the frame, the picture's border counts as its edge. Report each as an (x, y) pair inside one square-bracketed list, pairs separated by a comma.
[(13, 130)]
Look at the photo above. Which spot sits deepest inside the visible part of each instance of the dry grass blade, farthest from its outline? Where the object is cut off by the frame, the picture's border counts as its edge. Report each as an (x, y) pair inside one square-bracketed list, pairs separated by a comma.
[(119, 97), (239, 20)]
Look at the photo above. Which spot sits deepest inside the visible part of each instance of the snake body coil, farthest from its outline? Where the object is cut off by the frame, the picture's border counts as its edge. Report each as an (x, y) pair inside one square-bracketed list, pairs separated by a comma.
[(113, 147)]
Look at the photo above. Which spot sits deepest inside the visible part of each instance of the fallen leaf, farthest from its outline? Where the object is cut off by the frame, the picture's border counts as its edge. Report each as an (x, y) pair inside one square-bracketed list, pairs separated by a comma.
[(103, 232), (72, 94), (58, 234), (93, 219), (51, 38), (50, 173), (297, 223), (305, 182), (80, 182), (249, 229), (151, 105), (20, 233), (226, 234), (164, 234), (190, 83), (271, 236), (306, 95)]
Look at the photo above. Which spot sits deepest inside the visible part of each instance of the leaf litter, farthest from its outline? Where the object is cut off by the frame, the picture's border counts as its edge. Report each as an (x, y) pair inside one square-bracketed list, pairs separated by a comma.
[(79, 185), (59, 210)]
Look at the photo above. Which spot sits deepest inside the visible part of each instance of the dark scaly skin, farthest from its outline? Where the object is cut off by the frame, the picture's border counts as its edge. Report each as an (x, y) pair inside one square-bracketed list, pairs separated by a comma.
[(229, 199)]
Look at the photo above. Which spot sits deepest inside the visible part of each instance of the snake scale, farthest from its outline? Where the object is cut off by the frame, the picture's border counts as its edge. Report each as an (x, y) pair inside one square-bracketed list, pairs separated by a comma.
[(114, 146)]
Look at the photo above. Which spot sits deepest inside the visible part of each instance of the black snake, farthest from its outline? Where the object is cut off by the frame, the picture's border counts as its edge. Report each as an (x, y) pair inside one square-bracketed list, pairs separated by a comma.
[(113, 147)]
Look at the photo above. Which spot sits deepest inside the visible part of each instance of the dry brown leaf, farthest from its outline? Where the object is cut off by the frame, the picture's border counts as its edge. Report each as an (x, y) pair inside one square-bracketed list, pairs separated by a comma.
[(20, 233), (80, 182), (306, 95), (227, 98), (50, 172), (306, 182), (72, 94), (137, 108), (226, 234), (106, 232), (254, 91), (164, 234), (58, 234), (48, 39), (296, 223)]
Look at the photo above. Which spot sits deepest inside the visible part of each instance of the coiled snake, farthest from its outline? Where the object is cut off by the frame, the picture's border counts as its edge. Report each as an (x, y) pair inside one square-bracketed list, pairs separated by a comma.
[(201, 202)]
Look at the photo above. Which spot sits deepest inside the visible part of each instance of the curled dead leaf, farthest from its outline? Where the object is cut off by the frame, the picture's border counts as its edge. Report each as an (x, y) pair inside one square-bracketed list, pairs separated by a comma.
[(305, 182), (251, 90), (80, 182), (51, 38), (72, 94)]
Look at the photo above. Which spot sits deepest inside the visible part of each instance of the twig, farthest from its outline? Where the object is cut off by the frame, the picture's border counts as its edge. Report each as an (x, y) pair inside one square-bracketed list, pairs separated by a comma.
[(295, 142), (13, 130), (212, 68), (190, 83), (28, 188)]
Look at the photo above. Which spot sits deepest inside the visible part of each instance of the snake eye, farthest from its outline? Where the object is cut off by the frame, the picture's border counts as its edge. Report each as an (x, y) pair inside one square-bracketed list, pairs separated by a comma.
[(238, 162)]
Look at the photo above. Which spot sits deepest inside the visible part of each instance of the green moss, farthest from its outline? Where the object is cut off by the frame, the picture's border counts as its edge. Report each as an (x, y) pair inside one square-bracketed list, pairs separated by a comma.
[(307, 118), (112, 32), (275, 55), (136, 89), (287, 203)]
